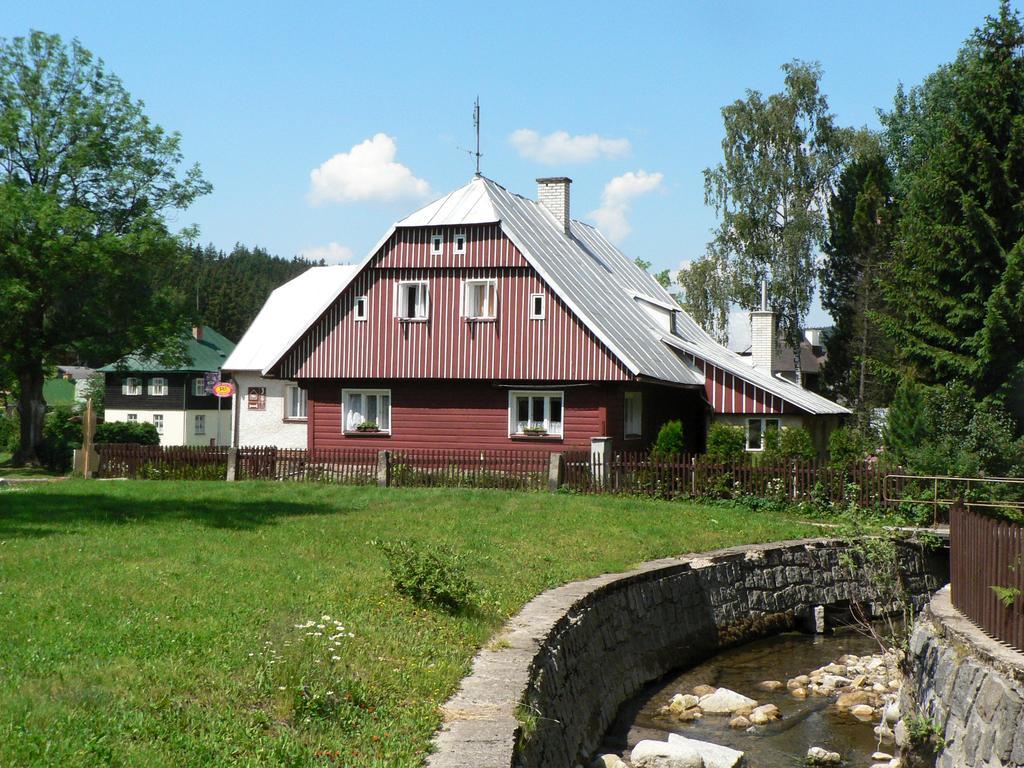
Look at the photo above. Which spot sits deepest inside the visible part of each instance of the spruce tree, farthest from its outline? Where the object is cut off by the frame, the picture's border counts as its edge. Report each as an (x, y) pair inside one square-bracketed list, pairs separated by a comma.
[(957, 144)]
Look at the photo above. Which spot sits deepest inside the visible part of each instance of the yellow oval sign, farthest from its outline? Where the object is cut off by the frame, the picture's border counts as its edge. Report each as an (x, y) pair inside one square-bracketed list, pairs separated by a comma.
[(224, 389)]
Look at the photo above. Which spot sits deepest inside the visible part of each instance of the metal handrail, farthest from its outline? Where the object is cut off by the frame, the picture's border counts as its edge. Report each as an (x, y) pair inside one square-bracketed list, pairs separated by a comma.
[(935, 502)]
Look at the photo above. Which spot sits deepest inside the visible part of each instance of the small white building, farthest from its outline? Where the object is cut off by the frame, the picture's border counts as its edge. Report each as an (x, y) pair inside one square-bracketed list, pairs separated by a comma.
[(271, 411)]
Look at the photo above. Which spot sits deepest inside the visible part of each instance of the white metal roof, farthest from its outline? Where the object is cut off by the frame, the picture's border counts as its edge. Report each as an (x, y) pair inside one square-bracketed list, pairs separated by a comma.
[(286, 314), (466, 205)]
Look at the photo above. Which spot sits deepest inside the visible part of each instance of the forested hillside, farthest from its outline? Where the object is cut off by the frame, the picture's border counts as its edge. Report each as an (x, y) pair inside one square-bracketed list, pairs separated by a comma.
[(228, 289)]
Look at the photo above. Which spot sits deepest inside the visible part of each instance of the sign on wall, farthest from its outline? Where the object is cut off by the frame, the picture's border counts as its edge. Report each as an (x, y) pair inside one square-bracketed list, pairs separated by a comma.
[(224, 389), (210, 380)]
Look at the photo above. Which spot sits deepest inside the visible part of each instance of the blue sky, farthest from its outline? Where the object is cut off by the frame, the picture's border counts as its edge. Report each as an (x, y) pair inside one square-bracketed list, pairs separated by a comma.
[(264, 93)]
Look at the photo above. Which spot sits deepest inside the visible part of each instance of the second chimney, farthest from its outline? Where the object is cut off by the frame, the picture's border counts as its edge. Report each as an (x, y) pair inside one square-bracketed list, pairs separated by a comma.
[(197, 332), (553, 194)]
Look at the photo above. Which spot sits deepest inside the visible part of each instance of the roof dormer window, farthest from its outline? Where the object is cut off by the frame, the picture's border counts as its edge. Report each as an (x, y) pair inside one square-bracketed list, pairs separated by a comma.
[(436, 245)]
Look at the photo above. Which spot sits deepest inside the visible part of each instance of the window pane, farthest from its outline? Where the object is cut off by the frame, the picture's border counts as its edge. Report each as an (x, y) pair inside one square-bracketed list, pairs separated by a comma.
[(754, 434), (371, 409), (555, 410), (522, 409), (537, 410), (354, 412), (385, 412)]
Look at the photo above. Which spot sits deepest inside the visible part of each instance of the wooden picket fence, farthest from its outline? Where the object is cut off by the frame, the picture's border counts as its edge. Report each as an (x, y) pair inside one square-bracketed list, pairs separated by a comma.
[(512, 470), (353, 466), (987, 552), (696, 476), (156, 462)]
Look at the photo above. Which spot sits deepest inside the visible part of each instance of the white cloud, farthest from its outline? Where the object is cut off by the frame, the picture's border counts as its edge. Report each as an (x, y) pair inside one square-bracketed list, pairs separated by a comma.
[(560, 147), (332, 253), (368, 171), (618, 196)]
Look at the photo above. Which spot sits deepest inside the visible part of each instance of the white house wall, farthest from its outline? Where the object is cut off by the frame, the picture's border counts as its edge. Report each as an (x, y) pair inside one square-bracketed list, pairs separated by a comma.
[(179, 426), (267, 427)]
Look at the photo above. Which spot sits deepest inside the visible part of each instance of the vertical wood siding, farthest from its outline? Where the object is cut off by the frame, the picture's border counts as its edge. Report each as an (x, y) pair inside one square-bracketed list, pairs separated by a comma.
[(447, 345), (728, 393)]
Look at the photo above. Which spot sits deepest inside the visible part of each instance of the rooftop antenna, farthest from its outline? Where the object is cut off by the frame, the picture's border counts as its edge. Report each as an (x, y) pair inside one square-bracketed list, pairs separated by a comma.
[(476, 127)]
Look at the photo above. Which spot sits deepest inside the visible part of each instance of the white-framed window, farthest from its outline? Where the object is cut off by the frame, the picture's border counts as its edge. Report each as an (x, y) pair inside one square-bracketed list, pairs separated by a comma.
[(756, 430), (359, 310), (632, 415), (535, 413), (537, 306), (131, 386), (412, 300), (132, 418), (158, 386), (200, 422), (436, 245), (295, 399), (460, 243), (199, 386), (366, 410), (480, 299), (158, 422)]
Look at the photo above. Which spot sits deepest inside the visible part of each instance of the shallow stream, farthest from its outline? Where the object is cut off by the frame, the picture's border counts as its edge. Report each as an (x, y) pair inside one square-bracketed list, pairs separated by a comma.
[(805, 723)]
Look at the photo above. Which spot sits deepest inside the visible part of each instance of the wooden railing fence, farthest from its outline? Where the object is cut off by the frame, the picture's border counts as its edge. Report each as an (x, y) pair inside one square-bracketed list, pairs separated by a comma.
[(986, 563), (156, 462), (696, 476), (513, 470), (354, 466)]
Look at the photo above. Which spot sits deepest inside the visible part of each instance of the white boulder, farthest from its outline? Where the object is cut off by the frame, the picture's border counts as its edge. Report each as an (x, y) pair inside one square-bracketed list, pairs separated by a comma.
[(713, 755), (664, 754), (725, 702), (821, 756), (608, 761)]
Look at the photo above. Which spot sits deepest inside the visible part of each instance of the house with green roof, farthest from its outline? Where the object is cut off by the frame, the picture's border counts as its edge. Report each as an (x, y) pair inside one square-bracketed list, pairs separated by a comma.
[(177, 399)]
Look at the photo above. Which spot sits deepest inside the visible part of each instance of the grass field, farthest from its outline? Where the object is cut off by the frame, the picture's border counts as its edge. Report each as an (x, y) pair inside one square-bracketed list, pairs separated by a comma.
[(155, 623), (6, 470)]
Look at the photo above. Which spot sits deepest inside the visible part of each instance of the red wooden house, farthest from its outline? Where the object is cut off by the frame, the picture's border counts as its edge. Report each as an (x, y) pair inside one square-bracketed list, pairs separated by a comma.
[(489, 320)]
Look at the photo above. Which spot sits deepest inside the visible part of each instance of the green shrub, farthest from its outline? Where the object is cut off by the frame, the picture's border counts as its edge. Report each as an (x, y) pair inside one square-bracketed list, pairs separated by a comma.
[(436, 577), (726, 442), (62, 433), (670, 442), (788, 443), (137, 432), (905, 425), (848, 446)]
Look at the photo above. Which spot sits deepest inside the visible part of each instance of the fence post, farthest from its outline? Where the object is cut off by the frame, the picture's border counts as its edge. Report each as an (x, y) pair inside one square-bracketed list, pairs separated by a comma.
[(556, 472), (383, 468), (601, 458), (232, 464)]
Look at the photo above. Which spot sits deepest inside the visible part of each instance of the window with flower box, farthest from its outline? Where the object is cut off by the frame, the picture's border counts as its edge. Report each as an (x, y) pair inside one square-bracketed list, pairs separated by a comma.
[(366, 411), (535, 414)]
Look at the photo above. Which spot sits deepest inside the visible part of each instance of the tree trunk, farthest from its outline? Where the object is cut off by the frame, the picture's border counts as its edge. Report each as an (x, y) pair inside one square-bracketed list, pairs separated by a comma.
[(798, 374), (32, 409)]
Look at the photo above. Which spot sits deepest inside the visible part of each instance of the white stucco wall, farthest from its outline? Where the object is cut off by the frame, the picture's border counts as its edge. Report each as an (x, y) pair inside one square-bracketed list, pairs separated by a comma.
[(179, 426), (266, 427), (820, 427)]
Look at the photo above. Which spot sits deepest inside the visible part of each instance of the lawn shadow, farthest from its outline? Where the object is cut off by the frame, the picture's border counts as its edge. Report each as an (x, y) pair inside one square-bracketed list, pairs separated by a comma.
[(37, 515)]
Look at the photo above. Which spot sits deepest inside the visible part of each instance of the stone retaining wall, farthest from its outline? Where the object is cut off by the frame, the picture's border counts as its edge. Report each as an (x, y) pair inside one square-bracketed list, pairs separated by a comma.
[(969, 686), (545, 690)]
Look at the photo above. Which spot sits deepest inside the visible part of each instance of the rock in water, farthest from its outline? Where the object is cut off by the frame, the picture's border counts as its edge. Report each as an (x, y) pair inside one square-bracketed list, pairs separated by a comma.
[(770, 685), (821, 756), (608, 761), (862, 711), (703, 690), (713, 755), (664, 754), (739, 723), (765, 714), (725, 702)]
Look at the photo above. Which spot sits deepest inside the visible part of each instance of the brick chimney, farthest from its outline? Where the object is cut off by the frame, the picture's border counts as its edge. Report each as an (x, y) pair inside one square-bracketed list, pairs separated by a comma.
[(553, 194), (197, 332), (762, 335)]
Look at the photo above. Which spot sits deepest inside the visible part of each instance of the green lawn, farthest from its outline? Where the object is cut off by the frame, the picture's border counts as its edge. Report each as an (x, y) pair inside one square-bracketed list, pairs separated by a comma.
[(154, 623)]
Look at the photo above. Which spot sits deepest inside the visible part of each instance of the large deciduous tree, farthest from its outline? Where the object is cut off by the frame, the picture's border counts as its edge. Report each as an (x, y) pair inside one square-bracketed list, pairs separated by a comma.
[(956, 292), (781, 155), (87, 261), (862, 216)]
